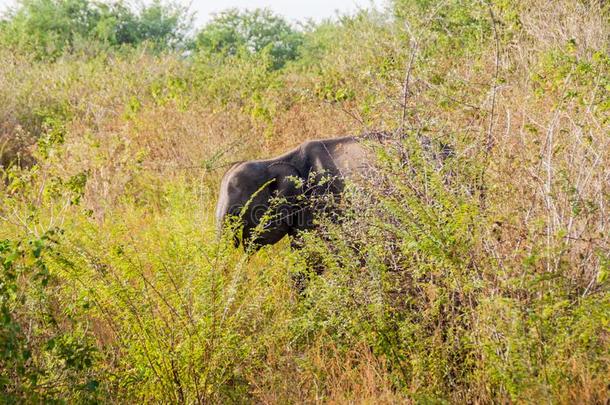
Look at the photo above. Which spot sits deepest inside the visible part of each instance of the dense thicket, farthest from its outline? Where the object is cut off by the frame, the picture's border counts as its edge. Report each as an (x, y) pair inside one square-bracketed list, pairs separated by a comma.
[(483, 278)]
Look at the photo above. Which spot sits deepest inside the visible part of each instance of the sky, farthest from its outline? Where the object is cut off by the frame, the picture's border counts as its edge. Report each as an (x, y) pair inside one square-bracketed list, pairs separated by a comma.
[(292, 10)]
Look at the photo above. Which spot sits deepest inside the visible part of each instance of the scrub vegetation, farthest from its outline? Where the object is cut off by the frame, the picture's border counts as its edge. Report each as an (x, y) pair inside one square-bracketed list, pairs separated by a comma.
[(483, 279)]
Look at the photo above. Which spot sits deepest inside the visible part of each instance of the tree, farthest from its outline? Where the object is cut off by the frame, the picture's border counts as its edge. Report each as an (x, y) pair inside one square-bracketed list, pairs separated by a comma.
[(49, 28), (255, 31)]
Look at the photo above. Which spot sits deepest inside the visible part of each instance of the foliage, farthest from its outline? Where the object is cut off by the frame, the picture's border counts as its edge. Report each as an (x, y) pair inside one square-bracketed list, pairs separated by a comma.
[(49, 28), (469, 273), (41, 359), (253, 32)]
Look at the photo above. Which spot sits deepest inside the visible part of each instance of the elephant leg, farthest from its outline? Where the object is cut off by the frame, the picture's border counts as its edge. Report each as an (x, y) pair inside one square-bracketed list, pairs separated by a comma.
[(314, 264), (299, 279)]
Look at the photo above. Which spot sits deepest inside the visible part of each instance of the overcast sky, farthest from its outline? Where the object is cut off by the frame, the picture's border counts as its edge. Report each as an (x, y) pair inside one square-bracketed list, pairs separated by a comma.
[(294, 10)]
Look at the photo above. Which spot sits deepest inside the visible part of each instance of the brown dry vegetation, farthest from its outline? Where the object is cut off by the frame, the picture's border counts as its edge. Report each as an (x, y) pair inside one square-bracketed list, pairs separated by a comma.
[(483, 280)]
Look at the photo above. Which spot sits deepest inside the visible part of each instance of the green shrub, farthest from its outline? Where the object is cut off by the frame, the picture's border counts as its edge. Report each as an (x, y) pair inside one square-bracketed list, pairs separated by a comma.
[(250, 32), (45, 353), (50, 28)]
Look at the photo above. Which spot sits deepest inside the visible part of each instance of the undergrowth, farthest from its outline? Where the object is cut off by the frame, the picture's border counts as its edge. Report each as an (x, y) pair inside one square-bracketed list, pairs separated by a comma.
[(477, 276)]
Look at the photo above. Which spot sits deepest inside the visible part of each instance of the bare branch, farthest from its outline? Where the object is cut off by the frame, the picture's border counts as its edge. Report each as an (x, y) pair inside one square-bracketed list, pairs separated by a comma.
[(490, 140)]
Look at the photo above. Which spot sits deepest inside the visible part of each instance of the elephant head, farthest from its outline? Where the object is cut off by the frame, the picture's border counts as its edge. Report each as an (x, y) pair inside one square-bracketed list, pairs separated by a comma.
[(262, 196)]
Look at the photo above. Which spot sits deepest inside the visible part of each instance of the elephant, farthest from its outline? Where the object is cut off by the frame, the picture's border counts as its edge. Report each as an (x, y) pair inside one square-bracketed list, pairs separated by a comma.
[(280, 196)]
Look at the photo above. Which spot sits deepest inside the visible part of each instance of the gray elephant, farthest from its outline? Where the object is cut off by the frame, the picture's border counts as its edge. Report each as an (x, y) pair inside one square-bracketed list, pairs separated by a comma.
[(279, 196)]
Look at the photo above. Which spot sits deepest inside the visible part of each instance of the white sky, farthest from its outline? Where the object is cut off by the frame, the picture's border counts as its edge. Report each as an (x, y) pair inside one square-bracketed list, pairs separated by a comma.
[(292, 10)]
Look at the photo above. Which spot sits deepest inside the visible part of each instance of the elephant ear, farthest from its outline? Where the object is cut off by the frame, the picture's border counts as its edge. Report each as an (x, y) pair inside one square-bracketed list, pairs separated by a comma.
[(288, 180)]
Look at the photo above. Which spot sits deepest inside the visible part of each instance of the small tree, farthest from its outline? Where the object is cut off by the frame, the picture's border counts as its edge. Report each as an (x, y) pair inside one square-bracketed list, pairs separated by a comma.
[(49, 28), (252, 31)]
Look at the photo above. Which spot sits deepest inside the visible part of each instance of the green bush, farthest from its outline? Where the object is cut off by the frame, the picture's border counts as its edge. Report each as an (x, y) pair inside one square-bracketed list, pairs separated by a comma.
[(45, 352), (50, 28), (251, 32)]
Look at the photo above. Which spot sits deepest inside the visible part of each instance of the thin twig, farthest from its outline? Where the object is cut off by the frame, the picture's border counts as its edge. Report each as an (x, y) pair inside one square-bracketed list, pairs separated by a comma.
[(489, 142), (405, 88)]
